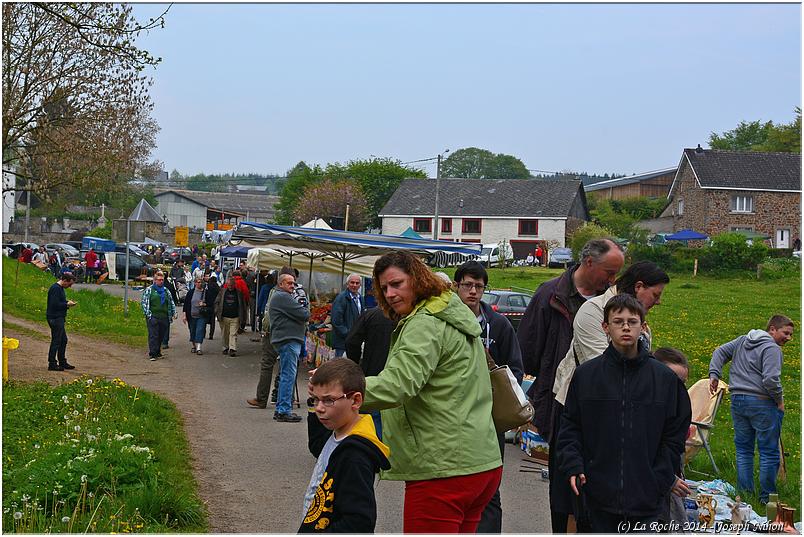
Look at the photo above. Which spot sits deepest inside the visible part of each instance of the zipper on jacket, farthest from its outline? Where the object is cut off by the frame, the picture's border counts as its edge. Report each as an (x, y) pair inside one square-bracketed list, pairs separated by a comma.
[(622, 445)]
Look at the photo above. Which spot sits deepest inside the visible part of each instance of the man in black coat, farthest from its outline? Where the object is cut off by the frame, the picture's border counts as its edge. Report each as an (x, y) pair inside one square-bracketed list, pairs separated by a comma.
[(346, 308), (544, 336), (500, 341), (56, 314)]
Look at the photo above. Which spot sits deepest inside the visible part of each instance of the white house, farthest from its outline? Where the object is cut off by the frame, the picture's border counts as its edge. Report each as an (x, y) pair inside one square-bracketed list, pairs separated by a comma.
[(525, 212), (213, 210)]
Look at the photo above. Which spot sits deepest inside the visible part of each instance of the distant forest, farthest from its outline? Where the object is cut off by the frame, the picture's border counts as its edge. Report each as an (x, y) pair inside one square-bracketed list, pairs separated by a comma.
[(583, 176), (222, 182)]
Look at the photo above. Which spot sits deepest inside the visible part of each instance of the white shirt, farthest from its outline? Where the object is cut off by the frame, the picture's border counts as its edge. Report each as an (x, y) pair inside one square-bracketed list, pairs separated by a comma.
[(318, 471)]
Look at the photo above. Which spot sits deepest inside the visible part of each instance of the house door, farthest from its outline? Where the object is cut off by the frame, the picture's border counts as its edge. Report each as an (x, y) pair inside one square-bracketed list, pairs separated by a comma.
[(783, 238)]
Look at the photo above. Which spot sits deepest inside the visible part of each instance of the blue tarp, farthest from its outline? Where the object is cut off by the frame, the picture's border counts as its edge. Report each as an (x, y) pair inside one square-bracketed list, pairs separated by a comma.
[(686, 235), (235, 251), (409, 233)]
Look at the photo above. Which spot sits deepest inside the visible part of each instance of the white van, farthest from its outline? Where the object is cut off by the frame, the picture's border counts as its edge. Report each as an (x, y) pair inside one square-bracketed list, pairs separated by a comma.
[(490, 254)]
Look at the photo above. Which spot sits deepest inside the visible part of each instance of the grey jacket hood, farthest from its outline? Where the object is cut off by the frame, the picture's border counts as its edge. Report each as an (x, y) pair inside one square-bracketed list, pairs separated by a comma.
[(757, 339)]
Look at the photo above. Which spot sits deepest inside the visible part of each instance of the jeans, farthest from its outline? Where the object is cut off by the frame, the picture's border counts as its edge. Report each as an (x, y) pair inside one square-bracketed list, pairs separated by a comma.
[(756, 420), (288, 363), (58, 341), (198, 327)]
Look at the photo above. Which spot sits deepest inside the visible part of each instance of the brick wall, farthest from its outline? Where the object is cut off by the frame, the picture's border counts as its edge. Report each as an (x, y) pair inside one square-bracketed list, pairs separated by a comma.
[(709, 211)]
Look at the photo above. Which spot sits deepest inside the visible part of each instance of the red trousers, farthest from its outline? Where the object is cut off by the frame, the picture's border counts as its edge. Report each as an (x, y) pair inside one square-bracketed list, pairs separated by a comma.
[(449, 504)]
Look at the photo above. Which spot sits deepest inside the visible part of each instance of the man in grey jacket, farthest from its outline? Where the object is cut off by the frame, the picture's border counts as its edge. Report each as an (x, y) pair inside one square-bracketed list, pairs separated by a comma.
[(757, 402), (288, 319)]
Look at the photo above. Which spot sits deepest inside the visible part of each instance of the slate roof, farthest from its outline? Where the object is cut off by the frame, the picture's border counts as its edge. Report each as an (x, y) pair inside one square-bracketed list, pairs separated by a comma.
[(145, 213), (484, 197), (746, 169), (228, 201)]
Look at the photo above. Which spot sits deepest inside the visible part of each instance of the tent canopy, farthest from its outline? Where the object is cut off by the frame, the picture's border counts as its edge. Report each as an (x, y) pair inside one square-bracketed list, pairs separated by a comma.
[(235, 251), (342, 245), (317, 223), (686, 235), (409, 233)]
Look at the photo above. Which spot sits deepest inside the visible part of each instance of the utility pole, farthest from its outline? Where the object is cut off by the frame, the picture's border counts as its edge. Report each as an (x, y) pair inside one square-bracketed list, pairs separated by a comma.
[(438, 187), (346, 219)]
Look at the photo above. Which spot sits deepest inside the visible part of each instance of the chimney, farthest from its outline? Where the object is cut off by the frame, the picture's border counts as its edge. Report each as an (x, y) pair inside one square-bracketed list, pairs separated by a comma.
[(699, 149)]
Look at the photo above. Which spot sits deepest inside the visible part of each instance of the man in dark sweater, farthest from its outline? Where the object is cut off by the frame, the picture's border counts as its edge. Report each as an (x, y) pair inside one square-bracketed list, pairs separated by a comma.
[(287, 318), (623, 427), (56, 314)]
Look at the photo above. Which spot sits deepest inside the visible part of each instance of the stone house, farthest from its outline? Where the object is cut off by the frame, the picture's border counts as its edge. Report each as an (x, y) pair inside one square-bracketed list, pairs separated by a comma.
[(525, 212), (715, 191)]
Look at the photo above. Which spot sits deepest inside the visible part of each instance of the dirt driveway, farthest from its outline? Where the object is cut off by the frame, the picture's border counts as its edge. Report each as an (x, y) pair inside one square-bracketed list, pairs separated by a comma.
[(251, 470)]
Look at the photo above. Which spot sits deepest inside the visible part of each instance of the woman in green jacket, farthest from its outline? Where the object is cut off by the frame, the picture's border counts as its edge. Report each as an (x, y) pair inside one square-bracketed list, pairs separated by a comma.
[(435, 398)]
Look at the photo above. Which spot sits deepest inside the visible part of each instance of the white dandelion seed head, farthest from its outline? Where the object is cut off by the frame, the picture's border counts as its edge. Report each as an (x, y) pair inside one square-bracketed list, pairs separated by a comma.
[(65, 519), (78, 396), (66, 417), (84, 478), (17, 515), (36, 446), (89, 382), (75, 412), (64, 398), (77, 428)]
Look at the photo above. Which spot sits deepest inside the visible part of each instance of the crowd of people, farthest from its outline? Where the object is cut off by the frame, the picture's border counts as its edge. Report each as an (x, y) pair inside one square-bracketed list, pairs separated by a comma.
[(408, 393)]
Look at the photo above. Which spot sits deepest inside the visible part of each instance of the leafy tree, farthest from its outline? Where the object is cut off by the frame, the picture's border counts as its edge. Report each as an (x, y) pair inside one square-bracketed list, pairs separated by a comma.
[(584, 234), (76, 108), (475, 163), (298, 179), (379, 178), (758, 136), (327, 199)]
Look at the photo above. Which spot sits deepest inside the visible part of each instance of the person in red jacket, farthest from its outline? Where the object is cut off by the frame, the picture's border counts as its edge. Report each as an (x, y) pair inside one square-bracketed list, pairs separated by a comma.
[(91, 259), (242, 286), (26, 255)]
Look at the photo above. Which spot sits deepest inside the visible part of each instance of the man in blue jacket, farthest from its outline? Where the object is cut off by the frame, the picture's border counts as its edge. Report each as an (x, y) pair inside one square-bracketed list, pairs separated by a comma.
[(56, 314), (346, 308), (500, 341), (757, 400)]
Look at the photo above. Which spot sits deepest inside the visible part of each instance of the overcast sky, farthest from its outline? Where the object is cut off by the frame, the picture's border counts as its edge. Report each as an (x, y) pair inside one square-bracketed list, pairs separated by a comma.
[(595, 88)]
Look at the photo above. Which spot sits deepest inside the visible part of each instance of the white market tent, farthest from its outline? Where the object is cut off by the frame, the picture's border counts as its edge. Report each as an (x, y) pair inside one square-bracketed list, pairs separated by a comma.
[(329, 248)]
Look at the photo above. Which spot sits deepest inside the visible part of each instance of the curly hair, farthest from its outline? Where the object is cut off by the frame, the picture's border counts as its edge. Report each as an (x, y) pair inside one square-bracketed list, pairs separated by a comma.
[(425, 283)]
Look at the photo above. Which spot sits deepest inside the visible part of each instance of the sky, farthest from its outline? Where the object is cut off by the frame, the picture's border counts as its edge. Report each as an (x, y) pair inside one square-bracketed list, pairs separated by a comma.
[(596, 88)]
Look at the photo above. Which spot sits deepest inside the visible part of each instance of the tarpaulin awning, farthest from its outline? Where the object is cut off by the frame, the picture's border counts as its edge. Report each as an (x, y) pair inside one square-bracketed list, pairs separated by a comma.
[(410, 234), (235, 251), (686, 235)]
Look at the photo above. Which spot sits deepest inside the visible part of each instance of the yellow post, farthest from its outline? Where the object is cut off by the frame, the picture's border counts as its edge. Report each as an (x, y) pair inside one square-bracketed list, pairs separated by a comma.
[(8, 344)]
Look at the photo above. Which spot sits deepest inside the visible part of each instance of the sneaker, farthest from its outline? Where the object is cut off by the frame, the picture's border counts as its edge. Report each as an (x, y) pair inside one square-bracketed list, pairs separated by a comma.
[(225, 351), (193, 350), (65, 366), (288, 418), (255, 403), (55, 368), (198, 352), (152, 358)]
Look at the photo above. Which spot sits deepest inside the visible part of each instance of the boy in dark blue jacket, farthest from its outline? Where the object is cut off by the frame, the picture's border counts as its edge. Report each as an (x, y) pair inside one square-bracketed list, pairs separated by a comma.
[(623, 427)]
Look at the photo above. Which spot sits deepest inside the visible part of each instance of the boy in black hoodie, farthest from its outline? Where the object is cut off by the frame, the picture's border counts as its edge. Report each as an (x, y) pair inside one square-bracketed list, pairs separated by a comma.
[(340, 496), (623, 427)]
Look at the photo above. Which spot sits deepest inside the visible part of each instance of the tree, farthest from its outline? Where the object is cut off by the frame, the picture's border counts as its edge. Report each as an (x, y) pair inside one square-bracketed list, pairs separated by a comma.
[(758, 136), (76, 108), (298, 179), (379, 178), (475, 163), (327, 199)]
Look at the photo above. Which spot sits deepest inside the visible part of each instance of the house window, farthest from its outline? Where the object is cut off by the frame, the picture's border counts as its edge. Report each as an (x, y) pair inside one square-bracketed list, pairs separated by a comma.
[(680, 207), (422, 225), (742, 204), (446, 225), (529, 227), (741, 228), (472, 225)]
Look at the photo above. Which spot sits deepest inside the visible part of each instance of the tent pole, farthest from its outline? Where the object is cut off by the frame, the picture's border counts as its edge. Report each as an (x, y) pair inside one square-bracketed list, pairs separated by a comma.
[(310, 277)]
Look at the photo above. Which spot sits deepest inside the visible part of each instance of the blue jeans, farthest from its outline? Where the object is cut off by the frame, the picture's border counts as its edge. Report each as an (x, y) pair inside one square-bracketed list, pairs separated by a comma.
[(198, 327), (288, 363), (756, 420)]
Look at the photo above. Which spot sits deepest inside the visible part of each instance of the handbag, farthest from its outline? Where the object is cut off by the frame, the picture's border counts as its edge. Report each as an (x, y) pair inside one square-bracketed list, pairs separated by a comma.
[(510, 407)]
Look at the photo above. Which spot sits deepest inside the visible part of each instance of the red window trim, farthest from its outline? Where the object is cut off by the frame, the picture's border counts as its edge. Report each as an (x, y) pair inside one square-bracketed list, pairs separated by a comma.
[(446, 222), (523, 220), (479, 227), (429, 224), (471, 240)]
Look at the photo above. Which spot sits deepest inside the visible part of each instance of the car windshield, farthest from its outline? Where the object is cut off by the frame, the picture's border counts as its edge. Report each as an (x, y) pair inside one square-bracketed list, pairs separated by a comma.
[(489, 298), (562, 251)]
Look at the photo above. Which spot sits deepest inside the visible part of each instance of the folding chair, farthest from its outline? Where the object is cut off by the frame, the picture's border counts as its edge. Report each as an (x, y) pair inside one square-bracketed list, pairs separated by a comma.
[(704, 410)]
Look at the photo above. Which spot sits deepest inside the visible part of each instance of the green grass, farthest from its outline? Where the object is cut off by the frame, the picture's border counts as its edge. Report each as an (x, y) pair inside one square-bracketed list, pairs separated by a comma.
[(97, 313), (95, 456), (696, 315), (25, 331)]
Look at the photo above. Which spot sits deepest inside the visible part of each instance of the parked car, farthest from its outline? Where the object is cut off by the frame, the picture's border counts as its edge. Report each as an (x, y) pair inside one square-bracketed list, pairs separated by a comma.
[(560, 257), (491, 253), (137, 264), (13, 249), (512, 304), (172, 254), (659, 239), (64, 248), (74, 244)]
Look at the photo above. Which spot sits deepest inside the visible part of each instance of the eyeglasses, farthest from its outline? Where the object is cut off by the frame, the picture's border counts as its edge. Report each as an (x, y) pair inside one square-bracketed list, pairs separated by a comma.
[(328, 401), (467, 286), (619, 323)]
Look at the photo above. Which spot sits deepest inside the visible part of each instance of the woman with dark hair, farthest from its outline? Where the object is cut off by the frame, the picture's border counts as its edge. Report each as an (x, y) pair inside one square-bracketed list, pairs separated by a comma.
[(435, 398)]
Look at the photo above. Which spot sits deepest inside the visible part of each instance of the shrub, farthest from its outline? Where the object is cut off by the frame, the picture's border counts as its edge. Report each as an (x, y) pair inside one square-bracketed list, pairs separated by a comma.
[(777, 268), (584, 234), (731, 251)]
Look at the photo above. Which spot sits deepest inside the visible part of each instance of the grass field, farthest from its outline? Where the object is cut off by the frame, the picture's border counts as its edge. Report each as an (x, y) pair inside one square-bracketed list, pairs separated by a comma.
[(95, 456), (97, 313), (696, 315)]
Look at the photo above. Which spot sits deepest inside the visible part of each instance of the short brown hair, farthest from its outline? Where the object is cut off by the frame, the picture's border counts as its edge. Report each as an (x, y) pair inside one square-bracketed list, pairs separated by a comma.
[(67, 277), (779, 321), (425, 283), (623, 302), (341, 371), (669, 355)]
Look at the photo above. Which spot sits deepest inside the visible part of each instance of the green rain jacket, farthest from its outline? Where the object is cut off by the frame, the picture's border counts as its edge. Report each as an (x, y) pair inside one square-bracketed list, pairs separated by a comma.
[(435, 395)]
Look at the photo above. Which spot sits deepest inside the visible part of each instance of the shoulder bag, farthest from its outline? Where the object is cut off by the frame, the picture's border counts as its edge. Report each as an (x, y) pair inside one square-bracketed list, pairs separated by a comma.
[(510, 407)]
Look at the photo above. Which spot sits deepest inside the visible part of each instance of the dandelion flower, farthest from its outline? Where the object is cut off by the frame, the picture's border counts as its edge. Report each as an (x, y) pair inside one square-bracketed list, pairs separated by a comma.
[(84, 478), (66, 417), (89, 382), (64, 398), (78, 396), (77, 428), (75, 412), (65, 519), (17, 515), (36, 446)]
